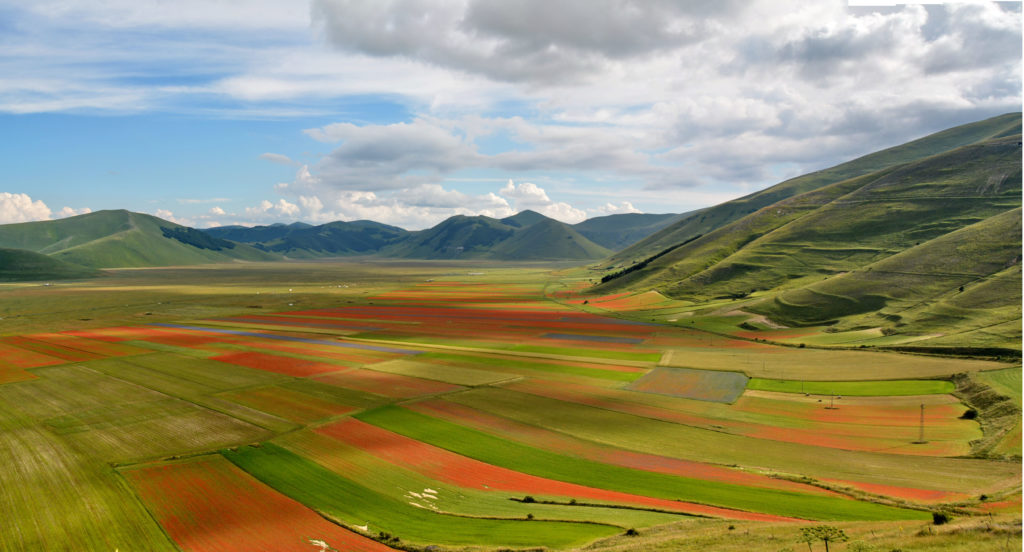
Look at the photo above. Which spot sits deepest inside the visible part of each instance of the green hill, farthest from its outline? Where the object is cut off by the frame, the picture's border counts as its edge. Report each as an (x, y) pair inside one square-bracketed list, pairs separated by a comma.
[(706, 220), (255, 234), (298, 240), (548, 240), (20, 265), (620, 231), (460, 236), (523, 219), (879, 250), (536, 237), (108, 239)]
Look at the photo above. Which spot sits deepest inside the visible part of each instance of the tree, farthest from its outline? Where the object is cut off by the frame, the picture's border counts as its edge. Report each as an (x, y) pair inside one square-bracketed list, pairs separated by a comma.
[(824, 533)]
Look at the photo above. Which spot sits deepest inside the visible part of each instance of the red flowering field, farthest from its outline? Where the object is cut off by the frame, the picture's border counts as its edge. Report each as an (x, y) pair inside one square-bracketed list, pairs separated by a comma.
[(206, 504)]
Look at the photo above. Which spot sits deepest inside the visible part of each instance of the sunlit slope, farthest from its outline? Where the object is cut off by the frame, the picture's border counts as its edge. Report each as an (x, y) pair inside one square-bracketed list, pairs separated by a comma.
[(707, 220), (890, 250), (964, 281), (22, 265), (123, 239)]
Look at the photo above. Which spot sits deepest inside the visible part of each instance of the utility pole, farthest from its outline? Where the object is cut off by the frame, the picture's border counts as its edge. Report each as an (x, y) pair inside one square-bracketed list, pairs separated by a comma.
[(920, 434)]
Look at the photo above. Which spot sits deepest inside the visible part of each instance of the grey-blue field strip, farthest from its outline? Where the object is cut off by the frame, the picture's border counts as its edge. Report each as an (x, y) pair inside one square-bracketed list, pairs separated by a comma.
[(597, 338), (378, 348)]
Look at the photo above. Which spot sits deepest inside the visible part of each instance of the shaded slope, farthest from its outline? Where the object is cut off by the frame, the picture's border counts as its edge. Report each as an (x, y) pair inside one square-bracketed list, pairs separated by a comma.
[(460, 236), (548, 240), (619, 231), (123, 239), (21, 265), (255, 234), (706, 220), (361, 237)]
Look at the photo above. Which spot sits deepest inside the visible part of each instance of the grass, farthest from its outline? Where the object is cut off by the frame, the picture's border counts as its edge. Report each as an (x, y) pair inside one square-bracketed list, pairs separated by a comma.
[(659, 437), (347, 500), (519, 457), (854, 388), (397, 481)]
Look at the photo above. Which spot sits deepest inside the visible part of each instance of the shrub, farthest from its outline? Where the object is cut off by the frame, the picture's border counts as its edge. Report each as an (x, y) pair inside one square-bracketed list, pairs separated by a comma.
[(940, 518), (632, 532)]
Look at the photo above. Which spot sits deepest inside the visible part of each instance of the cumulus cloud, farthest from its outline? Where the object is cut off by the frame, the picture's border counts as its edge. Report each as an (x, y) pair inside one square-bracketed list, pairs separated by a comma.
[(282, 208), (527, 195), (217, 211), (613, 209), (70, 212), (21, 208)]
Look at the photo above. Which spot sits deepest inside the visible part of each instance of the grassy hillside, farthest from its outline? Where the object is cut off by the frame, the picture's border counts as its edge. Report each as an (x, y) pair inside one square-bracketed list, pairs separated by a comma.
[(21, 265), (457, 237), (925, 251), (255, 234), (123, 239), (707, 220), (548, 239), (360, 237), (619, 231), (965, 281)]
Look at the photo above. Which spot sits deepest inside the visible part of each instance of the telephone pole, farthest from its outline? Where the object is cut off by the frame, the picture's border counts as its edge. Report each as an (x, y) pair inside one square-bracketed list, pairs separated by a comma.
[(920, 433)]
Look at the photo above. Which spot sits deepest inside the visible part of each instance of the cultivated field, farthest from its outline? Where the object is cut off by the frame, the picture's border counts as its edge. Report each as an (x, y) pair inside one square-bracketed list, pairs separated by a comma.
[(381, 406)]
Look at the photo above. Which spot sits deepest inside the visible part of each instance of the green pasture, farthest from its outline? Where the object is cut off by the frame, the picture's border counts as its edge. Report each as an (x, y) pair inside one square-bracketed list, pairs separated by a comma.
[(659, 437), (889, 388), (1006, 382), (526, 459), (355, 504), (399, 482)]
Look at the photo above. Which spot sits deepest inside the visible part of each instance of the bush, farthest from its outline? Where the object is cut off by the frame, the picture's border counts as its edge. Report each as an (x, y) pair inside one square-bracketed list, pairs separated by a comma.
[(940, 518), (632, 532), (528, 499), (969, 414)]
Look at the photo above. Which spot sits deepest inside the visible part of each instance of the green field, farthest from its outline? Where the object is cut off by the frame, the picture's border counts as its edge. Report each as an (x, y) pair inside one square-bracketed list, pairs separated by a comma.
[(854, 388), (356, 504)]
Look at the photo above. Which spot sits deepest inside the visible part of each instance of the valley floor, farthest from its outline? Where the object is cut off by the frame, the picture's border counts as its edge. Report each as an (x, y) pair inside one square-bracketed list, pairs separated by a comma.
[(405, 405)]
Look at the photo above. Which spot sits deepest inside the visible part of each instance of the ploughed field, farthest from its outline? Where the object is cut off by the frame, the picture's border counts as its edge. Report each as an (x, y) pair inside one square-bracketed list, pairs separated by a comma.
[(464, 408)]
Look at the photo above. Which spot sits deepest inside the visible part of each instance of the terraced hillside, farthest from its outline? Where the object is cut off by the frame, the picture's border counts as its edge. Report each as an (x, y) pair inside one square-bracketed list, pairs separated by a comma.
[(928, 249)]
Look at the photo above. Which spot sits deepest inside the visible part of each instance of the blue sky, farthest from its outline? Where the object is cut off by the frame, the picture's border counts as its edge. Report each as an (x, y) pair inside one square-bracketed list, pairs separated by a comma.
[(213, 112)]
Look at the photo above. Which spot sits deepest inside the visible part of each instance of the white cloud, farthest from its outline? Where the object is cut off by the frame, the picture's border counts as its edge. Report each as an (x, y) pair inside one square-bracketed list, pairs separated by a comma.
[(169, 216), (21, 208), (528, 195), (70, 212), (278, 158), (217, 211), (613, 209), (280, 209)]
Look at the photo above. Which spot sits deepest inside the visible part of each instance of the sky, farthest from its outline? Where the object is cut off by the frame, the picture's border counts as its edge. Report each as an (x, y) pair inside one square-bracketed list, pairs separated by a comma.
[(218, 112)]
